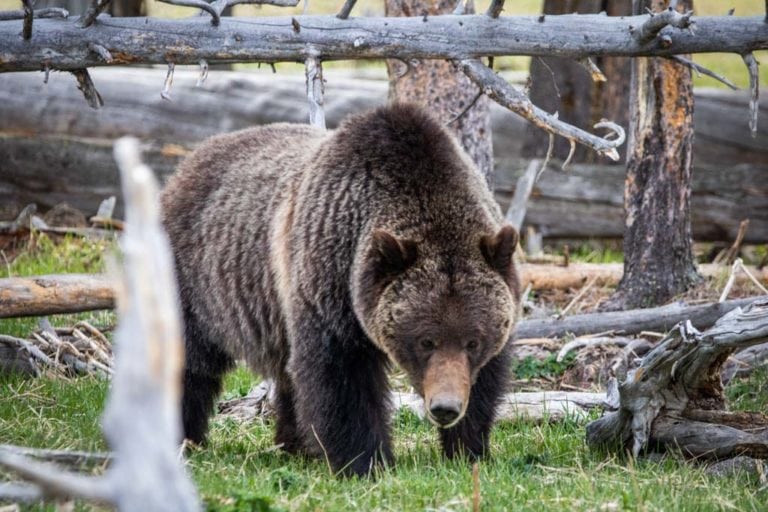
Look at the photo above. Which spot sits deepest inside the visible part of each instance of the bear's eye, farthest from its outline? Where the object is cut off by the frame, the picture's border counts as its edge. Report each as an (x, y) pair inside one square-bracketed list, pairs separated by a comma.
[(427, 344), (472, 345)]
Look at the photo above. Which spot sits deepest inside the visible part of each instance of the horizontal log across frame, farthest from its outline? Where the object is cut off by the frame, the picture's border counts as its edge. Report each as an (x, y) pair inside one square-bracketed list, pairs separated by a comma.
[(63, 44)]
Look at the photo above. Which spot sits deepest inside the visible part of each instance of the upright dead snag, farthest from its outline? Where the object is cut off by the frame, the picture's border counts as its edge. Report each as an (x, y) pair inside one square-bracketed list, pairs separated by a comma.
[(142, 420), (658, 255)]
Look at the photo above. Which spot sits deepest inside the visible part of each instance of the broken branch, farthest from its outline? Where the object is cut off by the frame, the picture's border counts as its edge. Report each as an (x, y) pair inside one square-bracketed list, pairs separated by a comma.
[(85, 84), (754, 87), (658, 21), (315, 90), (47, 12), (506, 95)]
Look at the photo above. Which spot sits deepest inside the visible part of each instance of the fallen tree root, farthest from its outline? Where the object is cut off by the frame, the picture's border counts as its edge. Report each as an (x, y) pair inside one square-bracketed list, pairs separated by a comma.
[(675, 400)]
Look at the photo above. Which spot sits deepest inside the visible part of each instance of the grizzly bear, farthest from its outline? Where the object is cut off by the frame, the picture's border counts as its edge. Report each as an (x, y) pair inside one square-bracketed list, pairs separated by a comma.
[(322, 257)]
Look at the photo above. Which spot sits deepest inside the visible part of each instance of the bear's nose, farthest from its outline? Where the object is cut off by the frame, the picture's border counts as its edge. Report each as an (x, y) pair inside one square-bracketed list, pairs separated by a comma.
[(444, 410)]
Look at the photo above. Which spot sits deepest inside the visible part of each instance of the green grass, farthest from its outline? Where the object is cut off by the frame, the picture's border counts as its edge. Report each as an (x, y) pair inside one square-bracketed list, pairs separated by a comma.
[(533, 467)]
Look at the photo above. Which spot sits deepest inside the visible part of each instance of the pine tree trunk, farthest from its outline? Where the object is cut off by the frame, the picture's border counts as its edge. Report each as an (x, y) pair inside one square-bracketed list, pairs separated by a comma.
[(658, 257), (445, 90), (566, 87)]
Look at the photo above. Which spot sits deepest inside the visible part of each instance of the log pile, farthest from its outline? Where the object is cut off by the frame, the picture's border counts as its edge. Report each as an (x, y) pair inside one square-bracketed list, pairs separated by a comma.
[(54, 150)]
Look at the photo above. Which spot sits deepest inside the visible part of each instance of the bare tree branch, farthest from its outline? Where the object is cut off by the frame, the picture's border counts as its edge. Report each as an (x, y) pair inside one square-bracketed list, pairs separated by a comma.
[(346, 9), (48, 12), (754, 87), (29, 14), (142, 418), (96, 8), (653, 26), (502, 92), (85, 84), (494, 10), (704, 71), (101, 52), (315, 90)]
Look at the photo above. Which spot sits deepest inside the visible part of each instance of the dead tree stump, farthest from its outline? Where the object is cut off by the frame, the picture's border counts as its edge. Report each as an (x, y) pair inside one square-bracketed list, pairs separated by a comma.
[(675, 401)]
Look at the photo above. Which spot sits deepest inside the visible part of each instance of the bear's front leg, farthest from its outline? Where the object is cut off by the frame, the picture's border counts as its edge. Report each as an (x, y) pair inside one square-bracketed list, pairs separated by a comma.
[(471, 435), (342, 394)]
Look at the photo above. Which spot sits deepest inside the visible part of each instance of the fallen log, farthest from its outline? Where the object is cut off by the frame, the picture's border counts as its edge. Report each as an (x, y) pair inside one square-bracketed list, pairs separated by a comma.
[(63, 44), (674, 400), (533, 406), (48, 295), (53, 150), (633, 321)]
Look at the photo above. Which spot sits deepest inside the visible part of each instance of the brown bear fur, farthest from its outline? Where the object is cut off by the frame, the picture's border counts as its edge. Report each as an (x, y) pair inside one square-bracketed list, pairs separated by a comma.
[(320, 257)]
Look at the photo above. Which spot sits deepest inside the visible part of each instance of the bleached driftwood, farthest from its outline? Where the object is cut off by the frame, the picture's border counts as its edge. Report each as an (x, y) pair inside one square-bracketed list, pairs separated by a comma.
[(674, 399), (142, 419)]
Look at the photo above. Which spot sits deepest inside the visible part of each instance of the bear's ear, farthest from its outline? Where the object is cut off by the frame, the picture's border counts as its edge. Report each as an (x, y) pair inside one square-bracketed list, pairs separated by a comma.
[(498, 249), (389, 256)]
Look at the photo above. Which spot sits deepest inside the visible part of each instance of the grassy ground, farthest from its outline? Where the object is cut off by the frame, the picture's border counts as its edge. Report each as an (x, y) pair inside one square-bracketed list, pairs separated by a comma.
[(533, 467)]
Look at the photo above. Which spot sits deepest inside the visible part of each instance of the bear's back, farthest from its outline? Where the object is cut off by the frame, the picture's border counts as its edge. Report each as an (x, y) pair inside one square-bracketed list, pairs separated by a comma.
[(217, 209)]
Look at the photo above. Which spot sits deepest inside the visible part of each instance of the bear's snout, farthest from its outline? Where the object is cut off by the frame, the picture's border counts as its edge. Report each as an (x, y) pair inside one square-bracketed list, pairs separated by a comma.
[(446, 388), (445, 409)]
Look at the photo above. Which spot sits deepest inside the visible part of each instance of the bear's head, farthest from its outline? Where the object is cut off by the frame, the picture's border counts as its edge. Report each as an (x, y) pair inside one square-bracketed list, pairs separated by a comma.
[(441, 316)]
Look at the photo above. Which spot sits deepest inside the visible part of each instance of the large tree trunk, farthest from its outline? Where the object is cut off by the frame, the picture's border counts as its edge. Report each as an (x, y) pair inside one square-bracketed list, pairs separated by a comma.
[(446, 91), (658, 257), (566, 87)]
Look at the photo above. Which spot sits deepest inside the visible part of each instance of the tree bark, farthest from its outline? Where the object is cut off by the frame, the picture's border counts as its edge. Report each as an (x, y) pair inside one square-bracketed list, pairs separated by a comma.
[(658, 256), (443, 89), (565, 86)]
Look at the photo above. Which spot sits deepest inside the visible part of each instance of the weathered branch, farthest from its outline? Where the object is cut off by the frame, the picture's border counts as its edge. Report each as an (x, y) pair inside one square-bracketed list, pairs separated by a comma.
[(62, 44), (200, 4), (48, 12), (93, 11), (653, 26), (346, 9), (315, 90), (494, 10), (85, 84), (142, 418), (704, 71), (675, 398), (29, 14), (754, 86), (505, 94)]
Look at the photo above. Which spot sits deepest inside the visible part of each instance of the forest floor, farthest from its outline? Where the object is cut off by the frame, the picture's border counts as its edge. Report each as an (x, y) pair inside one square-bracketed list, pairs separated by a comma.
[(533, 466)]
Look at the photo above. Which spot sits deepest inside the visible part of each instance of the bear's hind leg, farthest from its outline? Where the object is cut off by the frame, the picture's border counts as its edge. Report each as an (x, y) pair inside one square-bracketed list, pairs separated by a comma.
[(205, 366), (471, 435)]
